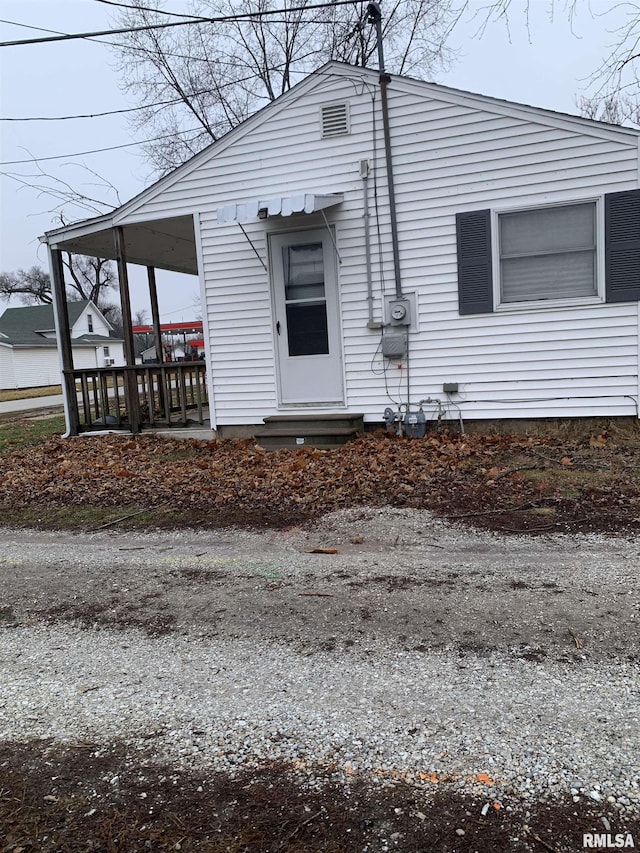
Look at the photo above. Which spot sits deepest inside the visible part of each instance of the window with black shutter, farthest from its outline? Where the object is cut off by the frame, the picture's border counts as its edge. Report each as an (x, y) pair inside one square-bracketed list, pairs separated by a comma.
[(548, 255), (622, 246), (475, 281)]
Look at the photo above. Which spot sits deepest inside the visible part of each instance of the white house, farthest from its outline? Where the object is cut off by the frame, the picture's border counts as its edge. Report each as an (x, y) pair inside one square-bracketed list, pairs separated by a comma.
[(28, 348), (506, 285)]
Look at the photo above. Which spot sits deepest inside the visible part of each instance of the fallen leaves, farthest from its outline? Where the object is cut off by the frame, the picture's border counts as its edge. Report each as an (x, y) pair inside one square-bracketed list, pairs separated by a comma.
[(598, 440), (576, 639), (496, 481)]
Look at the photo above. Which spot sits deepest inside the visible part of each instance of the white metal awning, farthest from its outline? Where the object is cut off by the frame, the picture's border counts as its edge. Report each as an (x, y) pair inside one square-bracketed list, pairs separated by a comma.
[(279, 206)]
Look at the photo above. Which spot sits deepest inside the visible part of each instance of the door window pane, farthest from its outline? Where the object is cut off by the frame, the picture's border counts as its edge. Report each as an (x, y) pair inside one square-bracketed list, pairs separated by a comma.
[(307, 328), (303, 271)]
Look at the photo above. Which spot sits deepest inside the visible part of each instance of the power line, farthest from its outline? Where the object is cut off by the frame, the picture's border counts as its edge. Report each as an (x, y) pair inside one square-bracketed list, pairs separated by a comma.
[(98, 115), (177, 311), (145, 50), (247, 16), (115, 147), (95, 150), (31, 27), (125, 110), (149, 9), (172, 102), (86, 38)]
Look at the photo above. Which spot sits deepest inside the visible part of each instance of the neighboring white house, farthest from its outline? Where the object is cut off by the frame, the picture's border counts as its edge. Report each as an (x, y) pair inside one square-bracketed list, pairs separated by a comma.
[(28, 348), (518, 253)]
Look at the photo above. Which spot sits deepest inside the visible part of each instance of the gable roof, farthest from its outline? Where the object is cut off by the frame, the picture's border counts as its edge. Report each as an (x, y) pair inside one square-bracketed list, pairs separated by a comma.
[(345, 71), (322, 76), (24, 326)]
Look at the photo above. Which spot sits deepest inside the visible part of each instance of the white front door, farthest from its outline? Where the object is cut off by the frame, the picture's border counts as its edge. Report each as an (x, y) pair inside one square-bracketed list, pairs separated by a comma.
[(307, 326)]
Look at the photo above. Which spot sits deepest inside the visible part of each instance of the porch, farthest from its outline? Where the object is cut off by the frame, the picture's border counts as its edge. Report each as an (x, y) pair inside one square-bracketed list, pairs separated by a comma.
[(133, 398)]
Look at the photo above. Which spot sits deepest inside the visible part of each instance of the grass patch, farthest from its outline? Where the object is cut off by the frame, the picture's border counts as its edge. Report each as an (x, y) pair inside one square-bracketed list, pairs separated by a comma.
[(87, 518), (59, 517), (9, 394), (27, 431)]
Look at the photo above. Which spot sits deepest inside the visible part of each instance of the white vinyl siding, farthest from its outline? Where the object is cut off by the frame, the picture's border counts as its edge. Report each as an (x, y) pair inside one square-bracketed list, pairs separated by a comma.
[(90, 322), (7, 371), (26, 367), (452, 153), (86, 357), (36, 367)]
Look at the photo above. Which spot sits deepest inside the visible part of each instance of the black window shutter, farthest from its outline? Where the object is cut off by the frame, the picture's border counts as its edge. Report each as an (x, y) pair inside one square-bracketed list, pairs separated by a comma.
[(475, 281), (622, 246)]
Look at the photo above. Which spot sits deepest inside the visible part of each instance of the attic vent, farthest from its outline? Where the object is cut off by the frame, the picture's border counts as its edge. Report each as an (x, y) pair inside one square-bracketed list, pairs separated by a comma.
[(335, 120)]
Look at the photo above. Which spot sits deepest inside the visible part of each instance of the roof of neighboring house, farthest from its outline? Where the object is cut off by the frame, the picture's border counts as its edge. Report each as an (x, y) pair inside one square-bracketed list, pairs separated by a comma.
[(24, 327)]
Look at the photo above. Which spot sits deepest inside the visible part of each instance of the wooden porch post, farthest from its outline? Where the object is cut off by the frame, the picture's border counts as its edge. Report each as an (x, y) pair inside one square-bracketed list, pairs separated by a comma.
[(63, 333), (155, 312), (155, 315), (131, 382)]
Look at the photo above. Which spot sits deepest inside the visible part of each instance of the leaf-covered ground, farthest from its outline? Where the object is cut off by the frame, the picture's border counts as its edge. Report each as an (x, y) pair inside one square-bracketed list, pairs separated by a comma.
[(508, 483)]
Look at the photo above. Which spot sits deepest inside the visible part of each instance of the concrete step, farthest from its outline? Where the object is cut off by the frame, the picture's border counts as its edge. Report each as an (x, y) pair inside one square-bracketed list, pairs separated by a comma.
[(306, 422), (308, 431)]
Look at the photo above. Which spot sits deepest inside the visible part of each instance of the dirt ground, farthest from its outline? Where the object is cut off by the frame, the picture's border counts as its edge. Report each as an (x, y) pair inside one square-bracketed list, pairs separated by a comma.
[(61, 801), (353, 582), (333, 555), (392, 580)]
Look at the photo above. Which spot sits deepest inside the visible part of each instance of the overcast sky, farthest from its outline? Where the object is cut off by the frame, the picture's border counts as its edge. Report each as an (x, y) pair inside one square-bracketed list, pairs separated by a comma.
[(547, 64)]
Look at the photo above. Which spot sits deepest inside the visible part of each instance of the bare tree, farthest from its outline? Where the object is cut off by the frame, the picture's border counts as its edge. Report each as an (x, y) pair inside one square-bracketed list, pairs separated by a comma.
[(141, 340), (614, 109), (31, 286), (89, 278), (85, 278), (615, 82), (619, 71), (209, 77), (91, 193)]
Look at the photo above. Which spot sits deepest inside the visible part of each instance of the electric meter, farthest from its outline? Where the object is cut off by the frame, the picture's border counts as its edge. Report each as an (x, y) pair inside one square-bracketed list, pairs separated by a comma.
[(399, 312)]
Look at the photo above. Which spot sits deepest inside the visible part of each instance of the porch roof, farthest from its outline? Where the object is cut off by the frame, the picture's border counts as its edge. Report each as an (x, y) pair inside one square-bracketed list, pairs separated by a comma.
[(162, 243)]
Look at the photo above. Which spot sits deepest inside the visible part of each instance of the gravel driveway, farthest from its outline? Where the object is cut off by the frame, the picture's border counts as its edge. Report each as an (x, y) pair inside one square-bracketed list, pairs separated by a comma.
[(420, 654)]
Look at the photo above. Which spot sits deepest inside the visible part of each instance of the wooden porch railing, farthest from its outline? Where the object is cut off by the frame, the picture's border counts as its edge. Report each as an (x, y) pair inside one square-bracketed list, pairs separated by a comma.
[(131, 398)]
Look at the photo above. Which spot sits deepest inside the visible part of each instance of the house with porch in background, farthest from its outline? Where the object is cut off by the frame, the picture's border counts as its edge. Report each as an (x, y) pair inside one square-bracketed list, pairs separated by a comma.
[(375, 247), (28, 348)]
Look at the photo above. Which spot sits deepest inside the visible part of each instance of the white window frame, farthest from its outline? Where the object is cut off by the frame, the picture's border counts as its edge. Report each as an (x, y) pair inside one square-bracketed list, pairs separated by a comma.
[(546, 304)]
